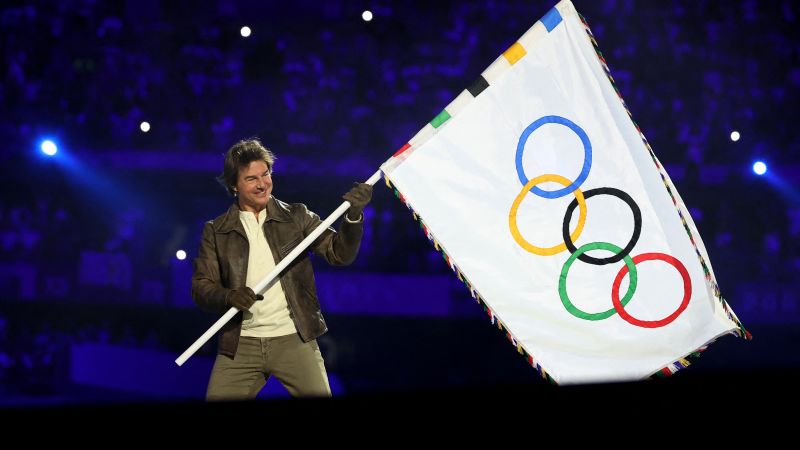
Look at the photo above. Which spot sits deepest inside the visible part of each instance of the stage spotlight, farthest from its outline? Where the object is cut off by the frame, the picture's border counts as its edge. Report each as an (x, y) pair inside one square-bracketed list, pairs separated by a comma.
[(49, 147), (759, 168), (144, 126), (735, 136), (180, 254), (367, 16), (245, 31)]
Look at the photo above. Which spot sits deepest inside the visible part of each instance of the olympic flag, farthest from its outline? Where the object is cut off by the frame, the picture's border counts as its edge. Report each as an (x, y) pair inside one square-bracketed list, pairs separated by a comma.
[(550, 205)]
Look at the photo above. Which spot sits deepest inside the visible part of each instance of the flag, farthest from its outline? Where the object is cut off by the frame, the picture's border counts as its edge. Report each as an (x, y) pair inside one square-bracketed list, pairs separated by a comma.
[(550, 205)]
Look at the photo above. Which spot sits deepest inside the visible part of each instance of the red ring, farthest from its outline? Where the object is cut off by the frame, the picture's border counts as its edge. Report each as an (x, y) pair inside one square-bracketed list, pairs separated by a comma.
[(687, 291)]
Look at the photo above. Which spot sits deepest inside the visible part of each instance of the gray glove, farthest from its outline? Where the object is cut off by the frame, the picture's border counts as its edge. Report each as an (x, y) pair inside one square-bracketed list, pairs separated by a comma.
[(358, 196), (242, 298)]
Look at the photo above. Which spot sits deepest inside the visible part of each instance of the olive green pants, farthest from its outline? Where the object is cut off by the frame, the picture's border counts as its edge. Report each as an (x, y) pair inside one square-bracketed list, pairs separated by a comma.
[(296, 364)]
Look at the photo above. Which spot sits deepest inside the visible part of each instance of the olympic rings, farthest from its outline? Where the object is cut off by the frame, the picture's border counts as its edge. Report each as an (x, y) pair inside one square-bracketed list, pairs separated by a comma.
[(620, 254)]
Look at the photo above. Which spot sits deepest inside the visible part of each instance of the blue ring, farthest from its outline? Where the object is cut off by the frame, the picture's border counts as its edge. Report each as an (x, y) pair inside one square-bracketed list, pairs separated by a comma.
[(587, 159)]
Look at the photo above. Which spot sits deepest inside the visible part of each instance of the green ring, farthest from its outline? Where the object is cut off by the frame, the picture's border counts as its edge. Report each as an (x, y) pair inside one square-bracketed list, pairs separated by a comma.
[(562, 281)]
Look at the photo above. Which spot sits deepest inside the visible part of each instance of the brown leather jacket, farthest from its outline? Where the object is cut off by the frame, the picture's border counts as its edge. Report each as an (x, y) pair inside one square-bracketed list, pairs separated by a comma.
[(221, 265)]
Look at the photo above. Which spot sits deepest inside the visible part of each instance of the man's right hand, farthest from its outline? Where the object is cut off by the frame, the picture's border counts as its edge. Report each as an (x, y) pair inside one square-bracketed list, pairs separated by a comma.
[(242, 298)]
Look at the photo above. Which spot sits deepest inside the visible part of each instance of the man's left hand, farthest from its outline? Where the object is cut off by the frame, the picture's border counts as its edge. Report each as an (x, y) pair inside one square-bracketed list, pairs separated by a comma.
[(358, 196)]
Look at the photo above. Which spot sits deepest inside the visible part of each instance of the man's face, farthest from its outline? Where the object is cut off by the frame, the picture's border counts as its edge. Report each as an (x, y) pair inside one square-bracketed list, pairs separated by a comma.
[(254, 186)]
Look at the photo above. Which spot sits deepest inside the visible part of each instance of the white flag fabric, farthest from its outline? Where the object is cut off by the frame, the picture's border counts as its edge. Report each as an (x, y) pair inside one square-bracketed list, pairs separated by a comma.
[(551, 206)]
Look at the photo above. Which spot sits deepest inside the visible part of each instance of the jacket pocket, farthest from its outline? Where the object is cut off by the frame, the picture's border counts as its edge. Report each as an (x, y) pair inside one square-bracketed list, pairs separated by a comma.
[(285, 249)]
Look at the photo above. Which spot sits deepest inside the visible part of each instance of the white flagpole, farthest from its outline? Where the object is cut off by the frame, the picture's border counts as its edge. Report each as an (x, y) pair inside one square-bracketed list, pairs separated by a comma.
[(272, 275)]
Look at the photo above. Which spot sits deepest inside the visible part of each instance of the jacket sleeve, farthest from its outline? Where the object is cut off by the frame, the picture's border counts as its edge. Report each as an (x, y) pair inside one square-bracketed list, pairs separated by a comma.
[(207, 290), (338, 249)]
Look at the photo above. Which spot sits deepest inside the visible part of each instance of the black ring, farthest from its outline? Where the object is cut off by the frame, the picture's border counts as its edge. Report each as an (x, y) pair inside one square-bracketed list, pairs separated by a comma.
[(637, 225)]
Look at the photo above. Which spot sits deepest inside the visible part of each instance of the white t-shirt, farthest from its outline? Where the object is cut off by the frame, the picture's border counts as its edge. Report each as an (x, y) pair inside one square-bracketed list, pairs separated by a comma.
[(268, 317)]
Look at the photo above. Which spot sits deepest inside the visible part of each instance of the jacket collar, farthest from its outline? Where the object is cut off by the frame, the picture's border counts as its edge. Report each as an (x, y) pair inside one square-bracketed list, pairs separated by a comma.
[(276, 210)]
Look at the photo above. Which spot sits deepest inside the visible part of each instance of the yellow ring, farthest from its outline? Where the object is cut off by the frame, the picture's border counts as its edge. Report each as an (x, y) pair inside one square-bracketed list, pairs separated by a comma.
[(512, 216)]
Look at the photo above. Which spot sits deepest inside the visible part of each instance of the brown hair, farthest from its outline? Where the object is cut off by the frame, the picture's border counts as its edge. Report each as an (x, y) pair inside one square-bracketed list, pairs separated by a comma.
[(240, 155)]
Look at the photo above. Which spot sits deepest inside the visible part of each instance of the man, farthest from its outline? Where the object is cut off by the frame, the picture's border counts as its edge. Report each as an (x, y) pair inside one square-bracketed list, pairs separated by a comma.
[(276, 335)]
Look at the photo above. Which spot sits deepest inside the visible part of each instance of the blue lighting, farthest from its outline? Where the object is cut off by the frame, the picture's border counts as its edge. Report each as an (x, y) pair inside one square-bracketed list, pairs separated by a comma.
[(759, 168), (49, 148)]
